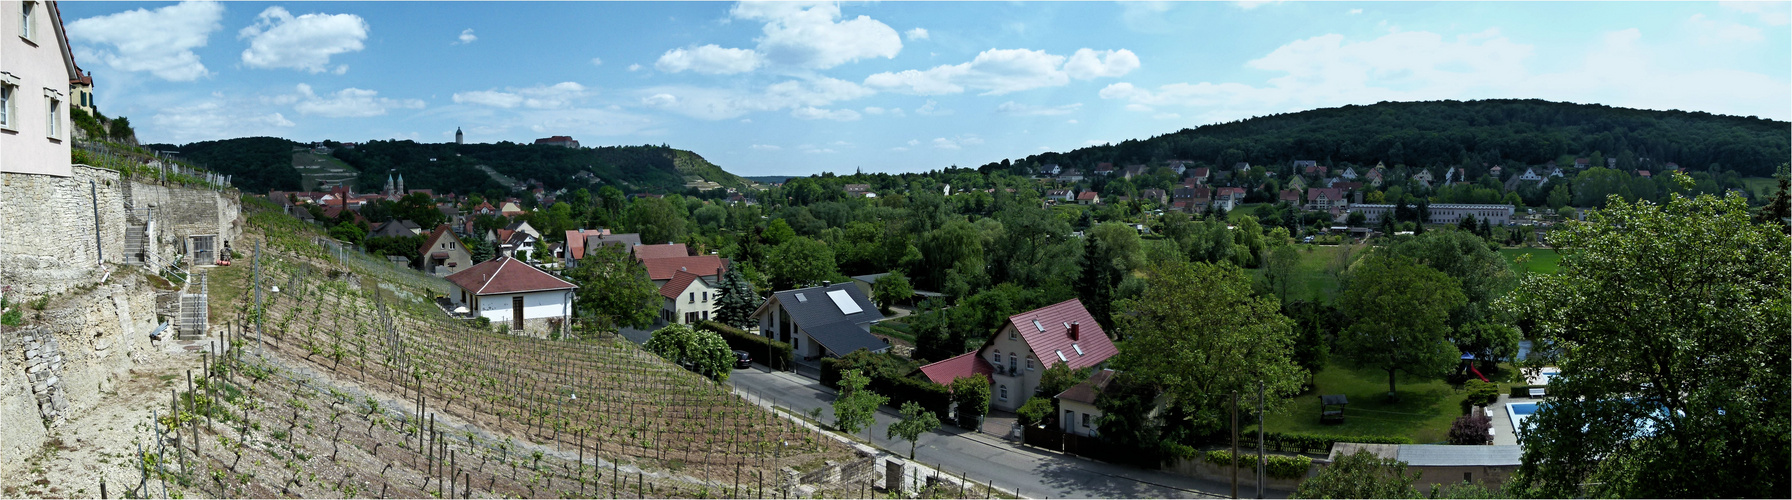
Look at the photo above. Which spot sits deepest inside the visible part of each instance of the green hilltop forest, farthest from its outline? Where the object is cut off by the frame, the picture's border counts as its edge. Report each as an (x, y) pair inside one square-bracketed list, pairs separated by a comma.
[(263, 163), (1461, 133)]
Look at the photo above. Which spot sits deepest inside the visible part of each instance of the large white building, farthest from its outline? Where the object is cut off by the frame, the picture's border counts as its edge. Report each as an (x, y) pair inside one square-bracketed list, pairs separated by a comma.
[(1442, 213), (35, 71), (510, 292)]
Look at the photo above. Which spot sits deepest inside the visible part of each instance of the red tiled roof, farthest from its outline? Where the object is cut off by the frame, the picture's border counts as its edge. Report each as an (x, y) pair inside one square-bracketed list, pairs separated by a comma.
[(506, 275), (668, 250), (433, 235), (1291, 195), (575, 241), (1046, 345), (1331, 194), (680, 280), (1087, 195), (1200, 172), (701, 265), (963, 365), (504, 235), (1644, 173), (1086, 391)]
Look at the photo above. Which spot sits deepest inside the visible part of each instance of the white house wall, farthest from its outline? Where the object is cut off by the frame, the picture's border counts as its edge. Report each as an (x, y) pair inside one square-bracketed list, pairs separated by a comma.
[(536, 305), (683, 304), (39, 68), (1021, 386), (1074, 411)]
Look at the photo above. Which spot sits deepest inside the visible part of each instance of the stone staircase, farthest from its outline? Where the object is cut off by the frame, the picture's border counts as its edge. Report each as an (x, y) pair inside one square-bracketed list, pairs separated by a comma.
[(194, 317)]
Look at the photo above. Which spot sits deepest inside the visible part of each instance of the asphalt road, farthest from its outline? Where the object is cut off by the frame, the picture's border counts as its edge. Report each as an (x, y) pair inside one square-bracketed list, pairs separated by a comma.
[(984, 458)]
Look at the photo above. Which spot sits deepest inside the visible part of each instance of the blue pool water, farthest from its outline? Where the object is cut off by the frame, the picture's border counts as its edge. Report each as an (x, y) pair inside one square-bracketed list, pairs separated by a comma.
[(1522, 409)]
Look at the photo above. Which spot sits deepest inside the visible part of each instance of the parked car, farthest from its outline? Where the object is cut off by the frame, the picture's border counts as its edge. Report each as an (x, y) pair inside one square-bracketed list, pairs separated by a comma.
[(742, 359)]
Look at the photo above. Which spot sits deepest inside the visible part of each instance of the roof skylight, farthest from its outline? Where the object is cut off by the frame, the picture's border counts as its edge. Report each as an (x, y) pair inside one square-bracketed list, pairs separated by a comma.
[(844, 302)]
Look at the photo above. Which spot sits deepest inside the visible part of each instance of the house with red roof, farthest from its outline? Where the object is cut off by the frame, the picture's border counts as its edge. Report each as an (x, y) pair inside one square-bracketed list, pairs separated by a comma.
[(1028, 343), (443, 253), (644, 252), (1290, 196), (515, 294), (689, 298), (1077, 404), (1088, 198), (1199, 177), (661, 270)]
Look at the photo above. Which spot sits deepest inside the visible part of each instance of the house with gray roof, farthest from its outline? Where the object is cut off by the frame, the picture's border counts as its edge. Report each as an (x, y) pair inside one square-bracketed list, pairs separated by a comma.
[(829, 320), (1443, 464)]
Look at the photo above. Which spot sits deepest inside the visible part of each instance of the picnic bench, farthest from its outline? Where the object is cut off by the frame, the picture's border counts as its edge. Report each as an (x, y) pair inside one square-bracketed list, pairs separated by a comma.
[(1537, 392), (1331, 408)]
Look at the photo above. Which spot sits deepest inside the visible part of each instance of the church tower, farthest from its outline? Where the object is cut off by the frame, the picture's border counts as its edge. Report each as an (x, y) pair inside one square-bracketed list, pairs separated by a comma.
[(458, 137), (388, 183), (401, 190)]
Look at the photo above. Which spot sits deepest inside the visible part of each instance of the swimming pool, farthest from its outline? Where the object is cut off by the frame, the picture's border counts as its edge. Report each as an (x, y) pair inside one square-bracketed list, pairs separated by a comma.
[(1518, 412)]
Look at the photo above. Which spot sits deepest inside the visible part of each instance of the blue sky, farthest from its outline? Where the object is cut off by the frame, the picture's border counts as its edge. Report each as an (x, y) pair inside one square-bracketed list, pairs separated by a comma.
[(799, 88)]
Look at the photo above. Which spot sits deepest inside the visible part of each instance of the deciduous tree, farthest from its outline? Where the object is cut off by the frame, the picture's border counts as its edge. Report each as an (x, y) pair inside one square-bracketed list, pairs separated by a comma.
[(1400, 312), (915, 422), (856, 406), (1361, 475), (614, 290), (800, 262)]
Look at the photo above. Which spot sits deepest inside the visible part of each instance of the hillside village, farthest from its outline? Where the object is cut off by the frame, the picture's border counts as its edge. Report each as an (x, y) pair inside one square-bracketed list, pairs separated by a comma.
[(1070, 326)]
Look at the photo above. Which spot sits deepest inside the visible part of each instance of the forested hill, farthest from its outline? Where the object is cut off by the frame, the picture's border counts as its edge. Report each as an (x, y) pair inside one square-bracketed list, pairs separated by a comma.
[(256, 164), (455, 167), (1438, 133)]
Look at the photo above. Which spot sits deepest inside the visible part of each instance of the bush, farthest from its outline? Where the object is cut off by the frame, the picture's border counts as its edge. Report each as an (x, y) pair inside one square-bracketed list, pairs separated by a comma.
[(971, 396), (1470, 429), (1482, 393), (1303, 443), (890, 377), (1036, 410), (1276, 466), (755, 345)]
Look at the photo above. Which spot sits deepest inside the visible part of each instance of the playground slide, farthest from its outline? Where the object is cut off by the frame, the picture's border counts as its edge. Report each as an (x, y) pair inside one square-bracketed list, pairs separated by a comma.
[(1478, 374)]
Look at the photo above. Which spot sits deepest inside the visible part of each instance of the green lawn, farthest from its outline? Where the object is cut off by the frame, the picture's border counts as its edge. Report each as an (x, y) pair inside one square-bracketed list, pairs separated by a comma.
[(1424, 412), (1312, 281), (1543, 260), (1761, 188)]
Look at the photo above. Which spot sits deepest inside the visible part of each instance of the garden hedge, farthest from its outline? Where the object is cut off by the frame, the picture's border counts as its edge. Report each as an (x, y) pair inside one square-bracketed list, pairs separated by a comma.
[(893, 383), (1303, 442), (755, 345), (1277, 466)]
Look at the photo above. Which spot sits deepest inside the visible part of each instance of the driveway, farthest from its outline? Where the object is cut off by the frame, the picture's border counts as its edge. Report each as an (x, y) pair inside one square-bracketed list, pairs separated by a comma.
[(1034, 472)]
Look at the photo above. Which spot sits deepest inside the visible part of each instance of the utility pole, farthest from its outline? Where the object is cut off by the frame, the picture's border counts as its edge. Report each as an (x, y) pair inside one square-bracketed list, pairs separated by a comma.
[(1259, 438), (1234, 444)]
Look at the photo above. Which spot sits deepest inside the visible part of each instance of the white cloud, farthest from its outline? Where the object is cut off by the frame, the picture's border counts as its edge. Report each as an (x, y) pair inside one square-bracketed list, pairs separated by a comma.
[(709, 59), (597, 61), (1000, 71), (1769, 13), (1355, 11), (813, 149), (764, 147), (1712, 31), (159, 41), (1071, 121), (346, 103), (557, 96), (727, 103), (1018, 109), (1088, 64), (957, 142), (211, 119), (811, 113), (634, 67), (916, 34), (809, 35), (913, 142), (279, 40), (466, 37), (873, 110), (932, 109)]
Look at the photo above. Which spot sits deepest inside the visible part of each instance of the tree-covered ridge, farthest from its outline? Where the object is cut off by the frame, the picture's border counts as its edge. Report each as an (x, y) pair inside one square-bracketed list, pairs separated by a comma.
[(455, 167), (256, 164), (1436, 133)]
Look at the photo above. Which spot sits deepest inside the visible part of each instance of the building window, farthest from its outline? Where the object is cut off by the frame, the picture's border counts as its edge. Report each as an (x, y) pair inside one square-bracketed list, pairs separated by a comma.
[(1004, 392), (1011, 334), (1029, 362), (55, 117), (1085, 420), (706, 297), (7, 111), (28, 25), (693, 297)]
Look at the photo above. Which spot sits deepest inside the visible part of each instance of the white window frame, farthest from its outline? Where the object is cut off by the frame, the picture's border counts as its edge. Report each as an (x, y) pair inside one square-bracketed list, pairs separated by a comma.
[(1004, 392), (53, 114), (9, 103), (28, 22)]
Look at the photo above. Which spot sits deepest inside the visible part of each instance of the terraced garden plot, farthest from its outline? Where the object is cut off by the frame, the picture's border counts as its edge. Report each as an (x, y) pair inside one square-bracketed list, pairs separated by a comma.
[(317, 169)]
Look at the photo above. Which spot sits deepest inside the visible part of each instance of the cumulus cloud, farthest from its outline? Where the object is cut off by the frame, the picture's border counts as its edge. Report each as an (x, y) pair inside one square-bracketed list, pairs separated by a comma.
[(346, 103), (557, 96), (1712, 31), (727, 103), (159, 41), (916, 34), (810, 35), (466, 37), (1000, 71), (874, 110), (1018, 109), (764, 147), (213, 118), (1769, 13), (279, 40), (634, 67), (597, 61), (708, 59), (958, 142), (932, 109), (812, 113)]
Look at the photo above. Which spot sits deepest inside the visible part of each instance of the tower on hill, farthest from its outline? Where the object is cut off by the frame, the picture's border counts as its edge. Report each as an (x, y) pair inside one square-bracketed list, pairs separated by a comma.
[(458, 137)]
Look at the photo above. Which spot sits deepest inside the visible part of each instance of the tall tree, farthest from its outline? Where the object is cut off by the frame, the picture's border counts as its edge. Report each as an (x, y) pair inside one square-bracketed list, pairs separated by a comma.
[(614, 290), (657, 219), (1281, 270), (890, 289), (800, 262), (736, 301), (1669, 325), (1400, 312), (1199, 332)]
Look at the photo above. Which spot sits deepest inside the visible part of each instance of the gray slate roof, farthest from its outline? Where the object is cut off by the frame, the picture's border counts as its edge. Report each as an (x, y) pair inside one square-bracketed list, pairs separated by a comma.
[(843, 337), (817, 309), (1443, 455), (393, 228), (626, 240)]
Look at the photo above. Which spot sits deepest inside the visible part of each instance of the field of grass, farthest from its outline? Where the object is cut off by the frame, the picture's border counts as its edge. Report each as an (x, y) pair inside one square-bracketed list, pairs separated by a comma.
[(318, 169), (1423, 413), (1312, 279), (1543, 260), (1761, 188)]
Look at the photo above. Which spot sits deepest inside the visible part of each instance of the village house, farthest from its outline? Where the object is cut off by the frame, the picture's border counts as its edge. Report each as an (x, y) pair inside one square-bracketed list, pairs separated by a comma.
[(1323, 199), (1077, 404), (1200, 176), (1154, 194), (857, 190), (1290, 196), (1029, 342), (1071, 175), (1059, 195), (822, 321), (644, 252), (689, 298), (581, 241), (1349, 174), (1104, 168), (1445, 465), (443, 253), (661, 270), (1132, 171), (1088, 198), (515, 294)]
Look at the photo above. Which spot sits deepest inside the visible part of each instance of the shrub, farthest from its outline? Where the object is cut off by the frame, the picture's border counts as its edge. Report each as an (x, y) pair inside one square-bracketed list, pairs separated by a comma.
[(1482, 393), (1276, 466), (1035, 411), (755, 345), (1470, 429), (971, 397), (1303, 443), (890, 376)]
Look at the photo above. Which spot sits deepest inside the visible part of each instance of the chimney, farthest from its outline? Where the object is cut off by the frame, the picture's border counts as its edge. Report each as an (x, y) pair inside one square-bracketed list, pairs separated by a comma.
[(1076, 330)]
